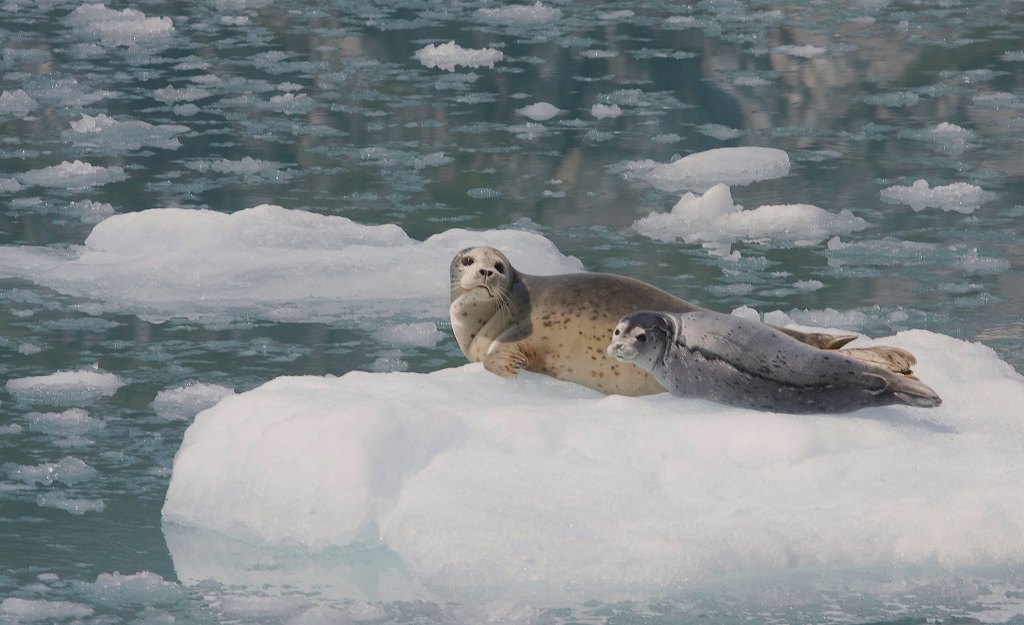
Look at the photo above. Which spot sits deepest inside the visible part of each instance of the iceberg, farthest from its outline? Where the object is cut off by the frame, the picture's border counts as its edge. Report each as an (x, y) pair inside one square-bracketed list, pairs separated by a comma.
[(703, 170), (475, 484)]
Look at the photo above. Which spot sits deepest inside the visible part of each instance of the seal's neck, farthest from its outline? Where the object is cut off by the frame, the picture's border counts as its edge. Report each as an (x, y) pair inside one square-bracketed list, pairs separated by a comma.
[(469, 313)]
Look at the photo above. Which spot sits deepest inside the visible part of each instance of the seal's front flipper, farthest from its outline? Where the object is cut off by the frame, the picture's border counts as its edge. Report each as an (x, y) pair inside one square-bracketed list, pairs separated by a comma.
[(506, 359)]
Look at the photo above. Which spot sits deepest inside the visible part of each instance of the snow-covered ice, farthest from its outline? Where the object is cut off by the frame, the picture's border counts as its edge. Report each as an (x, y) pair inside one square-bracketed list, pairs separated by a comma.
[(116, 136), (702, 170), (128, 27), (605, 111), (75, 505), (961, 197), (68, 470), (65, 387), (17, 103), (41, 610), (714, 218), (804, 52), (540, 111), (184, 402), (448, 56), (217, 267), (74, 175), (519, 14), (608, 493)]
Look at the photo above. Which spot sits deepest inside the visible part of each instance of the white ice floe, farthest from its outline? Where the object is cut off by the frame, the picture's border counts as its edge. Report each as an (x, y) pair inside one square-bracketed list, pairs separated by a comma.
[(65, 387), (62, 501), (703, 170), (74, 176), (529, 14), (266, 262), (605, 111), (17, 103), (127, 27), (138, 589), (804, 52), (476, 482), (68, 470), (70, 423), (448, 56), (245, 166), (43, 611), (713, 218), (116, 136), (961, 197), (897, 99), (185, 402), (540, 111)]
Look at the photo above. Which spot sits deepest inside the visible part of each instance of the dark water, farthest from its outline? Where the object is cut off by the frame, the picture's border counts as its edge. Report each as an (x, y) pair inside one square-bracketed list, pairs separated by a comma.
[(334, 108)]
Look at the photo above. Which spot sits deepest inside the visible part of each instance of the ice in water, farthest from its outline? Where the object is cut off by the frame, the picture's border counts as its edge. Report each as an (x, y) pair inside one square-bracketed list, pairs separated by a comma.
[(961, 197), (703, 170), (602, 503), (448, 56)]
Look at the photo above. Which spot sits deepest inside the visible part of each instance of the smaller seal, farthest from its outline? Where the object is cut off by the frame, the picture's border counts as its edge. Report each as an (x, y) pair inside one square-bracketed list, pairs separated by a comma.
[(747, 363)]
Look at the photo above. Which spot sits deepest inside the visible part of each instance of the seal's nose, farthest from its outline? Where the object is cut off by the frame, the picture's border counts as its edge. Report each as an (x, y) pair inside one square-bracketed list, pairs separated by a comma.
[(486, 273)]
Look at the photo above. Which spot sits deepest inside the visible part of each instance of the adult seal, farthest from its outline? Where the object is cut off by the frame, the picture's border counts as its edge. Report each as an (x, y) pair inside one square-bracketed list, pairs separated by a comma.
[(559, 325), (746, 363)]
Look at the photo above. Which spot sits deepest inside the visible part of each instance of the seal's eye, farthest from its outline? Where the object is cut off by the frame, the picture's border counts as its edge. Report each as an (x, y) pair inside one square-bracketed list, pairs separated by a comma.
[(641, 337), (617, 332), (499, 267), (466, 261)]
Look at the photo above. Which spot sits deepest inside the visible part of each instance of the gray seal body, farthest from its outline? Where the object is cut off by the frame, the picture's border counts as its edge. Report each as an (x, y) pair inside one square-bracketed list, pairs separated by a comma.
[(746, 363)]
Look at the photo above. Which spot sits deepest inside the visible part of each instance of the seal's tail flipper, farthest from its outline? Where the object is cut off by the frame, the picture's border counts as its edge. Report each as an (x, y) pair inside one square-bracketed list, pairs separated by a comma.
[(912, 392)]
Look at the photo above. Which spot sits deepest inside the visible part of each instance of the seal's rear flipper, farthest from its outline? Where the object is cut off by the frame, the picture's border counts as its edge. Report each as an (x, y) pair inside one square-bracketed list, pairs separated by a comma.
[(891, 358), (818, 339), (913, 392)]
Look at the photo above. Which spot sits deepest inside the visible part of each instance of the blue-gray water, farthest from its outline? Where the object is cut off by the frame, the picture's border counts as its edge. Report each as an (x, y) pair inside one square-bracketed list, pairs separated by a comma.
[(335, 109)]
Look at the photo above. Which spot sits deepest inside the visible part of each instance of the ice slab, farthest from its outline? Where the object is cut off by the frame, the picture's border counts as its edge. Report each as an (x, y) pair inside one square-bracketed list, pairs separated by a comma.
[(703, 170), (73, 176), (128, 27), (448, 56), (42, 611), (605, 111), (714, 219), (184, 402), (114, 136), (519, 14), (961, 197), (266, 262), (479, 483), (17, 103), (540, 111), (65, 387)]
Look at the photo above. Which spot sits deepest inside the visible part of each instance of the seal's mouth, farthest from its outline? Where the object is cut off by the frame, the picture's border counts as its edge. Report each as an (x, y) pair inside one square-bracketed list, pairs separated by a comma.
[(622, 351)]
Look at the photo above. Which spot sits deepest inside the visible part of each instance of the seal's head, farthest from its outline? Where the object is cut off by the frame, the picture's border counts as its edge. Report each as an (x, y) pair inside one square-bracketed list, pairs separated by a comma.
[(481, 272), (642, 337)]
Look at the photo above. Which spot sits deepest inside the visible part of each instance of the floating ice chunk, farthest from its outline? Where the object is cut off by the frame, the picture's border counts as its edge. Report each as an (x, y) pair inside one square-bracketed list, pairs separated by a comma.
[(128, 27), (172, 95), (718, 131), (266, 262), (535, 13), (1013, 55), (713, 217), (73, 176), (809, 285), (420, 334), (61, 501), (893, 100), (245, 166), (434, 159), (961, 197), (949, 137), (32, 610), (185, 402), (804, 52), (65, 387), (975, 264), (69, 470), (117, 136), (540, 111), (703, 170), (17, 103), (605, 111), (70, 423), (448, 56), (89, 211), (139, 589), (610, 492)]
